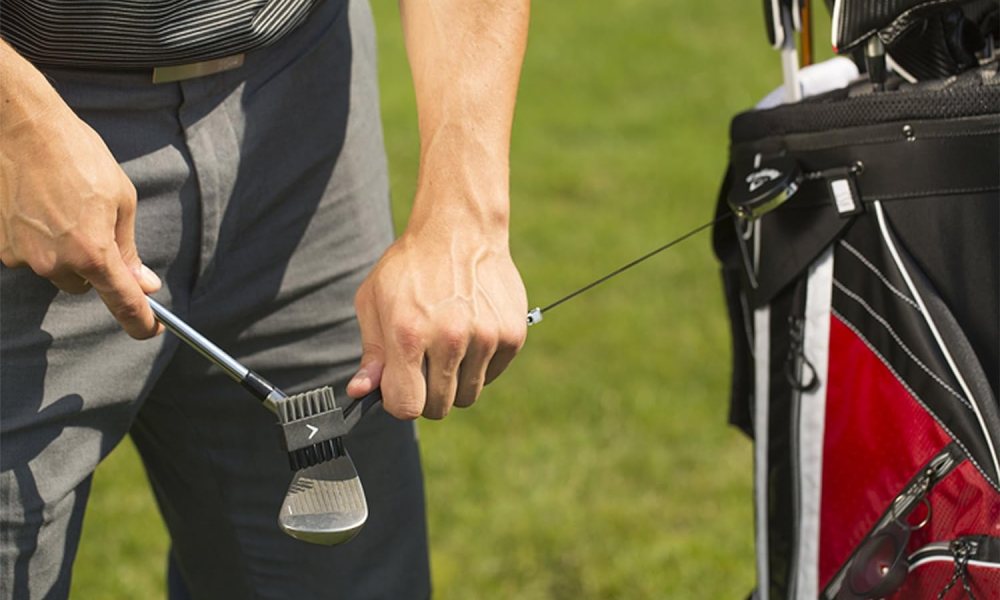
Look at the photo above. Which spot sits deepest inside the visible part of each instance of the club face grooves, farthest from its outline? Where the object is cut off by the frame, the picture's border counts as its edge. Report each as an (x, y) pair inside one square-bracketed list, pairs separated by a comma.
[(325, 503)]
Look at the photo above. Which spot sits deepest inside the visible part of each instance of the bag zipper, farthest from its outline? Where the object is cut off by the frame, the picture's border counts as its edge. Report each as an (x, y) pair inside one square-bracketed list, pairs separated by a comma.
[(983, 548)]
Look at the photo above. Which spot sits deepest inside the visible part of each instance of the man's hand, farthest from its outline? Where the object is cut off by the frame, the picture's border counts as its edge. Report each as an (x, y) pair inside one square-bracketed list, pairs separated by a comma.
[(67, 210), (441, 316), (444, 310)]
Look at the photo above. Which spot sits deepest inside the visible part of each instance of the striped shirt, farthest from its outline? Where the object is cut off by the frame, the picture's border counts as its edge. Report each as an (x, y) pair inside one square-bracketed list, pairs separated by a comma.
[(144, 33)]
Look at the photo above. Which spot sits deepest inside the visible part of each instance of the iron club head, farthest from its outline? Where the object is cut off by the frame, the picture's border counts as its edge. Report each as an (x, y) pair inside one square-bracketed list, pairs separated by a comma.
[(325, 503)]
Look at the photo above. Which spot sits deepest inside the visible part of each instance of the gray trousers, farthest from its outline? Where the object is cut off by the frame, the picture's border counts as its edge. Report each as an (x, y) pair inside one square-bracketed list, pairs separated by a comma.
[(263, 202)]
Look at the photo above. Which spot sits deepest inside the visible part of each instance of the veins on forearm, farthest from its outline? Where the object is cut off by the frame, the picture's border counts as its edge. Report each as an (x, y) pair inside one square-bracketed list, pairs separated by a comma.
[(465, 57)]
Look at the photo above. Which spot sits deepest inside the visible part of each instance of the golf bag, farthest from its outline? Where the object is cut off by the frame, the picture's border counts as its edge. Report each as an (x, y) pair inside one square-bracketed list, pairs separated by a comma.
[(861, 269)]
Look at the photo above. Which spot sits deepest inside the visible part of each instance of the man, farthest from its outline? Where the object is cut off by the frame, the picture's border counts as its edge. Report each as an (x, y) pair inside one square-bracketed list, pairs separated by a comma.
[(262, 207)]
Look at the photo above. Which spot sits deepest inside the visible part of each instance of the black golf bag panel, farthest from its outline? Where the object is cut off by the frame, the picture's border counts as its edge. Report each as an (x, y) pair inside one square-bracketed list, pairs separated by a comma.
[(864, 312)]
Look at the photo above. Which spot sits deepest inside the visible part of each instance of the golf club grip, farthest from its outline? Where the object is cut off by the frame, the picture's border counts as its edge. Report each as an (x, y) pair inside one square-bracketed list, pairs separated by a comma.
[(359, 408), (257, 385)]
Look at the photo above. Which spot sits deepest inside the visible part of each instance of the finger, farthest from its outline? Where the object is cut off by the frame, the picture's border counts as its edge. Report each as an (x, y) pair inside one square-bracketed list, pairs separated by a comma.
[(146, 278), (404, 387), (472, 374), (510, 344), (123, 296), (444, 358), (369, 375), (70, 282)]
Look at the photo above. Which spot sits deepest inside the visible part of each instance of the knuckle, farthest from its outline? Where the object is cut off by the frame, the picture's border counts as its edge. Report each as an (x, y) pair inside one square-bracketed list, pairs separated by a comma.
[(88, 255), (142, 334), (128, 311), (406, 410), (45, 266), (131, 197), (513, 338), (409, 340), (487, 338), (475, 383), (371, 349), (130, 256), (127, 203), (453, 339), (126, 193), (89, 266), (9, 259), (8, 255)]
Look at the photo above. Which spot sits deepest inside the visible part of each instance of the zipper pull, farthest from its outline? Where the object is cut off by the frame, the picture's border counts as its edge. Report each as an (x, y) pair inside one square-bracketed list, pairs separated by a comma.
[(962, 549), (796, 359), (904, 503)]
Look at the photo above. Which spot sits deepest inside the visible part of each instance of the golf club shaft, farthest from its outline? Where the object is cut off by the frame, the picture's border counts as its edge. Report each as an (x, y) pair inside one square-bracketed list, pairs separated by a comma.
[(806, 45), (257, 385), (789, 55)]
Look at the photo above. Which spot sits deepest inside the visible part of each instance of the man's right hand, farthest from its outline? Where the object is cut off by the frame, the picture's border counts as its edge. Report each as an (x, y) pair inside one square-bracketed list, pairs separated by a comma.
[(67, 210)]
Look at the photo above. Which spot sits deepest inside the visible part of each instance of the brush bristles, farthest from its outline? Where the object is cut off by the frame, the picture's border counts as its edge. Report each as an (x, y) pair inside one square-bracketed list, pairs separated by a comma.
[(315, 454), (304, 405)]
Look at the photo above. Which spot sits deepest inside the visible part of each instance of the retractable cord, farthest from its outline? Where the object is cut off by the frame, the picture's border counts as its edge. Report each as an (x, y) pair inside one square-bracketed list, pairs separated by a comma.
[(535, 315), (768, 184)]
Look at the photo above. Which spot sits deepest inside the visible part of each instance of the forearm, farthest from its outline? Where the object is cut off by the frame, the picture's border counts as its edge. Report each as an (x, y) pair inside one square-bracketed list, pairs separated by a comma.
[(465, 56), (25, 94), (28, 106), (67, 210)]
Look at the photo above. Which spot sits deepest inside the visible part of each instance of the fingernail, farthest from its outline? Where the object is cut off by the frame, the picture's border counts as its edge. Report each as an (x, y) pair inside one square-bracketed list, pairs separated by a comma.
[(149, 276), (361, 378)]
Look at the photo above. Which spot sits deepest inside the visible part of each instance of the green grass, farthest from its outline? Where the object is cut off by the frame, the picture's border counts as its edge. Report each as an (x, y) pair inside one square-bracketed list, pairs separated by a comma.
[(600, 465)]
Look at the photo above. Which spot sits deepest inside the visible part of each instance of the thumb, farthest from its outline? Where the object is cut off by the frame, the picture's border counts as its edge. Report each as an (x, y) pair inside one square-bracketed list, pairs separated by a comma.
[(369, 375)]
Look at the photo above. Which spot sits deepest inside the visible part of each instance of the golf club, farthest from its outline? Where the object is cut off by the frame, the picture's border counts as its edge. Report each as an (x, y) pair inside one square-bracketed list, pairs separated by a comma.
[(325, 503)]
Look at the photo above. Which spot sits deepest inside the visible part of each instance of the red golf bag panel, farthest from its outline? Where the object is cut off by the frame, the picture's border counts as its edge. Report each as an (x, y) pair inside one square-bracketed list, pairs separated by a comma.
[(866, 341), (878, 456)]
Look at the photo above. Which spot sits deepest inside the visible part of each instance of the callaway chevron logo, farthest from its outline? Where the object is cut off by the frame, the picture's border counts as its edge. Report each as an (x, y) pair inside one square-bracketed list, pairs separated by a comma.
[(760, 177)]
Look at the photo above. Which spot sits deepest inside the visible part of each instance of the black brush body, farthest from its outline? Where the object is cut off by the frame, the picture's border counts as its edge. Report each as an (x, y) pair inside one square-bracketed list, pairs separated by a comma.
[(312, 424)]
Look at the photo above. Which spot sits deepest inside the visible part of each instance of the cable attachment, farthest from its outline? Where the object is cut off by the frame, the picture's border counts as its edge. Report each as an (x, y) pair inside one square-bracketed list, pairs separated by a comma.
[(534, 316), (763, 186)]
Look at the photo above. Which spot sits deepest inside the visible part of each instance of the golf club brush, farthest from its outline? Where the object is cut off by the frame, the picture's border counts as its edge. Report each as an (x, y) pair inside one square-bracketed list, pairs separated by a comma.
[(311, 422)]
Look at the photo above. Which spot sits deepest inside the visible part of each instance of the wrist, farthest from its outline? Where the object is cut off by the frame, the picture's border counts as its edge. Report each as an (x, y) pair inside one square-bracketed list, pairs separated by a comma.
[(469, 211), (459, 228), (463, 180)]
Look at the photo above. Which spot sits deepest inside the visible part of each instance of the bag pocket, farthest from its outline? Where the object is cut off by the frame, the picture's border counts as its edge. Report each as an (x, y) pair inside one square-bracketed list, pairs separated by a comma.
[(947, 500), (965, 567)]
